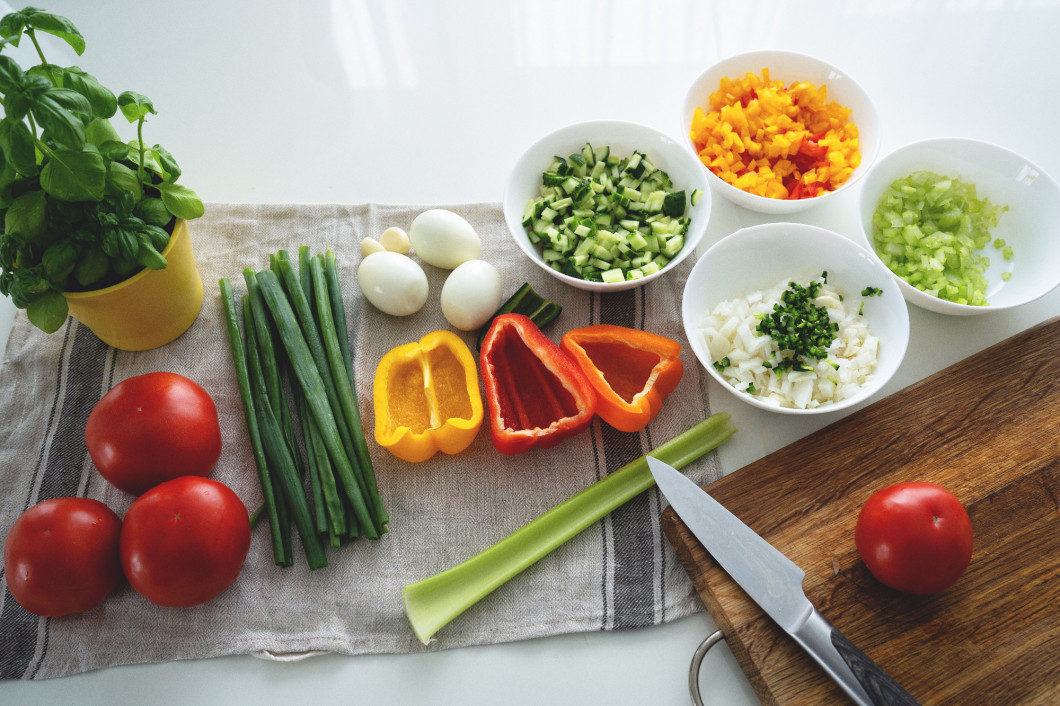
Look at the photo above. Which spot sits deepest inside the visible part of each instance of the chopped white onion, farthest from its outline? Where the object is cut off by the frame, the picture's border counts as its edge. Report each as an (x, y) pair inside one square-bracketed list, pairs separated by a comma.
[(730, 331)]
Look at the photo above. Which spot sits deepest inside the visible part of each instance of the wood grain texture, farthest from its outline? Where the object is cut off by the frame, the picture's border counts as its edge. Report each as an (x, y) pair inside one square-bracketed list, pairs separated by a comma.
[(987, 428)]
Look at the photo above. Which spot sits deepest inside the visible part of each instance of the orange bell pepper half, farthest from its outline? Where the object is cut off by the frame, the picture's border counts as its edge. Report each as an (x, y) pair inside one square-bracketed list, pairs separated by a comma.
[(427, 398), (631, 371), (536, 396)]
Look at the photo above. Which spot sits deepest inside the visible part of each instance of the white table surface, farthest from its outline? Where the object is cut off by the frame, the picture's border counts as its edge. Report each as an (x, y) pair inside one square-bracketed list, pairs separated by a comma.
[(409, 102)]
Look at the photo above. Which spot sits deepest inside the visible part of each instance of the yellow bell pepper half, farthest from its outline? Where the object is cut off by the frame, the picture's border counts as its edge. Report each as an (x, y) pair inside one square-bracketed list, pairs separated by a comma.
[(427, 398)]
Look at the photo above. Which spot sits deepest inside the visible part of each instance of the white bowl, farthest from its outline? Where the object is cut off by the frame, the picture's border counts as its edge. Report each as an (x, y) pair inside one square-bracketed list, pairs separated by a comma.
[(1031, 225), (787, 67), (623, 138), (759, 257)]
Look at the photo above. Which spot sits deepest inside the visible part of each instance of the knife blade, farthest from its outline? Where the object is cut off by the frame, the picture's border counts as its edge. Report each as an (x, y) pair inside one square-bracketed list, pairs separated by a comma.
[(774, 582)]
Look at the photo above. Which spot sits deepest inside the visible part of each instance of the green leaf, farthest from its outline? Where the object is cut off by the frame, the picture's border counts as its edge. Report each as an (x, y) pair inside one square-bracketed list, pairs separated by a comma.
[(21, 98), (103, 102), (92, 267), (10, 74), (62, 126), (170, 168), (99, 132), (75, 175), (26, 216), (59, 260), (56, 25), (149, 257), (153, 212), (19, 148), (158, 236), (48, 312), (114, 150), (72, 101), (135, 106), (181, 201), (121, 178), (11, 27)]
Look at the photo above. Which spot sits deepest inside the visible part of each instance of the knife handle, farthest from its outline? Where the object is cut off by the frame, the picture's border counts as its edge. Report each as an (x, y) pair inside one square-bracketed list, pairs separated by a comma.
[(861, 678), (878, 684)]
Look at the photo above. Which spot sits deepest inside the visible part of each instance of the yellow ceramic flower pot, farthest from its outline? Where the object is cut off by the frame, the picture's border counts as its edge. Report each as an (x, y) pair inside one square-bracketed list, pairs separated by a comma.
[(151, 308)]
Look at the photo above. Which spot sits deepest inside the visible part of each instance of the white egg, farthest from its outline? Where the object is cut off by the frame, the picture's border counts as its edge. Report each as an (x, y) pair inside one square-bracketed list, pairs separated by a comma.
[(393, 283), (444, 239), (471, 294)]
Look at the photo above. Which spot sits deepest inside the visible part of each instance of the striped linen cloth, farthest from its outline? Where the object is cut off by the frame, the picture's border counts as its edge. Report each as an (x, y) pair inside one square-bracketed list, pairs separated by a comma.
[(620, 573)]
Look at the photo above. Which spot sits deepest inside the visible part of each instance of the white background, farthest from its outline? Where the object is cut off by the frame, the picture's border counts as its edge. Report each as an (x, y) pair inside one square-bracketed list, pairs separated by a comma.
[(354, 101)]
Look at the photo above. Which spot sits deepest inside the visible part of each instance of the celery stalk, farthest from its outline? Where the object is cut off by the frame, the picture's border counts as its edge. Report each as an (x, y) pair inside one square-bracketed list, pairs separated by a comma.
[(431, 603)]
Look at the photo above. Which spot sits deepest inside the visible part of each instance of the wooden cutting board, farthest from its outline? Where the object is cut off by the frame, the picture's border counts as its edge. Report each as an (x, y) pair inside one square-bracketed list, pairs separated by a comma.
[(987, 428)]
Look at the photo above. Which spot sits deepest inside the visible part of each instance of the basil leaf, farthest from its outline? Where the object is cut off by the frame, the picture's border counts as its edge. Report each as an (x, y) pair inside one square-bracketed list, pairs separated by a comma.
[(75, 175), (11, 26), (26, 286), (10, 74), (154, 212), (109, 242), (102, 101), (149, 257), (99, 131), (61, 125), (22, 97), (112, 150), (124, 267), (92, 267), (128, 243), (55, 25), (135, 105), (17, 143), (26, 216), (72, 101), (170, 168), (48, 312), (59, 260), (181, 201), (122, 179), (157, 236)]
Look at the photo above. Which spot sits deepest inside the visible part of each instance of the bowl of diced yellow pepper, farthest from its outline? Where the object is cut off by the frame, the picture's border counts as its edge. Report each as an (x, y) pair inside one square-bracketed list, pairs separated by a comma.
[(779, 132)]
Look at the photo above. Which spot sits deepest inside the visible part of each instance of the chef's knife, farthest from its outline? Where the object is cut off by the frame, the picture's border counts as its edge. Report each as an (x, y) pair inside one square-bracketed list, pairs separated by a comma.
[(775, 584)]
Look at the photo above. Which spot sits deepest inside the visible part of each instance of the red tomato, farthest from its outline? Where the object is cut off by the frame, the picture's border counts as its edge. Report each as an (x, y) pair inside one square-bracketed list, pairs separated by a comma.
[(184, 542), (61, 556), (915, 537), (153, 428)]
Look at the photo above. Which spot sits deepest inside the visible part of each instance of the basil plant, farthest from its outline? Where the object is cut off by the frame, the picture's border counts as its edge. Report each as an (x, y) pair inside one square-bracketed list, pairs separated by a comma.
[(80, 208)]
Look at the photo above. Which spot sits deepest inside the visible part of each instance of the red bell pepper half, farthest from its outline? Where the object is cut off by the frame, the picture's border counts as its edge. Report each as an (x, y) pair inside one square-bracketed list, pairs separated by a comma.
[(536, 395)]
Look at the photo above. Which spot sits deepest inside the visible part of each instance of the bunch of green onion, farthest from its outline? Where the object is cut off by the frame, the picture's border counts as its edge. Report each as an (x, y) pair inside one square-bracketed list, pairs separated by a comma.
[(294, 327)]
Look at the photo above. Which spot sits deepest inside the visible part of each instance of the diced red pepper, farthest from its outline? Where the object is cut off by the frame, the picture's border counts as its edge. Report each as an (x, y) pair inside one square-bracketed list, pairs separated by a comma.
[(536, 395)]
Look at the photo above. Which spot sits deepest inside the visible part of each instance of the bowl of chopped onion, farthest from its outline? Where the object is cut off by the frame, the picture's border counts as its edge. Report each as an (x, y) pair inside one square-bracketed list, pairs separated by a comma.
[(964, 225), (780, 132), (607, 205), (796, 319)]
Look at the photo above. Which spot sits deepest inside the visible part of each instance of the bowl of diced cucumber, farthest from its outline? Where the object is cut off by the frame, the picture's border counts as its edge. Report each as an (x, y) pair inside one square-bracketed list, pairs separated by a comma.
[(966, 227), (607, 205)]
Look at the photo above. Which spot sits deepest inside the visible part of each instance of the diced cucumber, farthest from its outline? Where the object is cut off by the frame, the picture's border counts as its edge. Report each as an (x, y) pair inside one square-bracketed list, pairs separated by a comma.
[(599, 213)]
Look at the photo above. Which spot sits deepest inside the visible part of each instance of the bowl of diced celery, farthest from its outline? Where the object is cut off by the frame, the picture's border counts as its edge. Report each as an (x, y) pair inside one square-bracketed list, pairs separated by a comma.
[(780, 132), (795, 319), (607, 205), (966, 227)]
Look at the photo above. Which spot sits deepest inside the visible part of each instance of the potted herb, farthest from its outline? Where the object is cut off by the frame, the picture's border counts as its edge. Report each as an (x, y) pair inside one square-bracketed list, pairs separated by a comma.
[(84, 212)]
